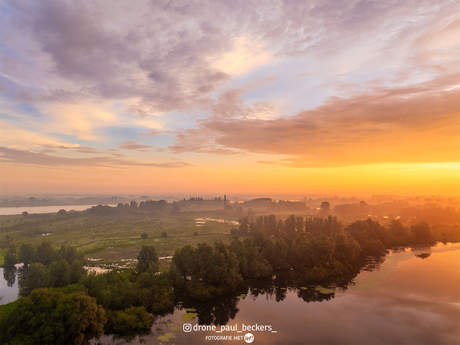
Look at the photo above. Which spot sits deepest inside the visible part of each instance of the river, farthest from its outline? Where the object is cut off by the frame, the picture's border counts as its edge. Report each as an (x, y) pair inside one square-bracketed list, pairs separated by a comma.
[(8, 211), (412, 297)]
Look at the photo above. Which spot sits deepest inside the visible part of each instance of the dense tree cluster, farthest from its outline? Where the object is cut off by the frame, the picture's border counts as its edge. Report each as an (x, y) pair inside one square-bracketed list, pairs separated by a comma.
[(123, 303), (206, 271), (318, 249), (52, 317), (46, 266), (272, 205)]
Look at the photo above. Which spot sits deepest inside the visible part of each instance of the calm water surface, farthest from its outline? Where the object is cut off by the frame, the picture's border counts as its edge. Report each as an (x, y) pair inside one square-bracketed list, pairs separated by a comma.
[(8, 211), (412, 298)]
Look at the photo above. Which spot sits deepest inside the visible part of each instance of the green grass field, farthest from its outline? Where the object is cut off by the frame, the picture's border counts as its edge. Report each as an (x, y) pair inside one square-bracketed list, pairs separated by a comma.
[(116, 237)]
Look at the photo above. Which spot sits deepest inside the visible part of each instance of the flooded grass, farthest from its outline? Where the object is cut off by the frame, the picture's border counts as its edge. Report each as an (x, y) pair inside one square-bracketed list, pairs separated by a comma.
[(188, 317), (166, 337)]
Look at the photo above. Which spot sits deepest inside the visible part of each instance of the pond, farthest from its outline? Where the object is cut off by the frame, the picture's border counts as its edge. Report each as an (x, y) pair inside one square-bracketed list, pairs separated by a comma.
[(9, 288), (412, 297)]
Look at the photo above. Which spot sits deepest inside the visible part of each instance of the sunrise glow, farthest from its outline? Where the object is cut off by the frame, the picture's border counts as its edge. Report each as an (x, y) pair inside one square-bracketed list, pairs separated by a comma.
[(142, 97)]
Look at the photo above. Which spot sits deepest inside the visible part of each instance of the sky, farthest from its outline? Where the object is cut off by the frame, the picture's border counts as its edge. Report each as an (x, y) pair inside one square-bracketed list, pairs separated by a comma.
[(229, 96)]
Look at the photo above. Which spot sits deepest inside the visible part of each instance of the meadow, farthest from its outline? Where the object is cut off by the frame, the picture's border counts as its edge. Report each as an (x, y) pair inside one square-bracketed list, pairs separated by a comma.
[(116, 237)]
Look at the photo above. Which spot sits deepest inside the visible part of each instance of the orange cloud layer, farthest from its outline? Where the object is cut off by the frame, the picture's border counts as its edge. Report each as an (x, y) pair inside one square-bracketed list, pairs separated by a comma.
[(411, 124)]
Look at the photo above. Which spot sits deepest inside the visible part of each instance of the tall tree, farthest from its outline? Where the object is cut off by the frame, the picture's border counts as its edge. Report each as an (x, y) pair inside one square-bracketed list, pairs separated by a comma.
[(10, 257), (147, 256), (325, 208), (59, 273), (26, 254), (45, 253)]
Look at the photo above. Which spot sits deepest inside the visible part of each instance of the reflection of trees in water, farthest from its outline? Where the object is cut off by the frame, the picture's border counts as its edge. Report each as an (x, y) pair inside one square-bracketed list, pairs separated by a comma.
[(22, 271), (9, 274), (278, 293), (313, 295), (373, 263), (218, 311), (423, 255)]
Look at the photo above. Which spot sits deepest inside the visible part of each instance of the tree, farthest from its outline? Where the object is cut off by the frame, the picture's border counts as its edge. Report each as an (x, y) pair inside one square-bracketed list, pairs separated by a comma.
[(397, 228), (25, 214), (290, 225), (50, 317), (10, 257), (45, 253), (133, 205), (299, 224), (69, 253), (62, 212), (59, 273), (37, 276), (147, 256), (325, 207), (164, 235), (144, 235), (26, 254), (422, 233), (77, 270)]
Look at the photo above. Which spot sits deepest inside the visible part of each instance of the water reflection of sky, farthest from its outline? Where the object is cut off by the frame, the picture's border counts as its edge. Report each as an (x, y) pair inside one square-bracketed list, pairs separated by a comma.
[(409, 300), (9, 293)]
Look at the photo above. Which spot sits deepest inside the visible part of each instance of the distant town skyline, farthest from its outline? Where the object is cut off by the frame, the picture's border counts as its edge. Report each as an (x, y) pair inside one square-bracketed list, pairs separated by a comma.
[(230, 97)]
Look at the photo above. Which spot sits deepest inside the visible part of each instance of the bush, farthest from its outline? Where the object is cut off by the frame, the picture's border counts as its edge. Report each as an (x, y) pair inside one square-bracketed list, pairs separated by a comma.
[(145, 235), (164, 235), (129, 321)]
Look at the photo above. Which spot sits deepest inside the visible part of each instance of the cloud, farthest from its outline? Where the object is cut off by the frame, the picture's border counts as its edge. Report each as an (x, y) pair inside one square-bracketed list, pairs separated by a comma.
[(217, 75), (14, 136), (81, 120), (416, 123), (133, 145), (150, 133), (8, 155), (245, 56), (173, 56)]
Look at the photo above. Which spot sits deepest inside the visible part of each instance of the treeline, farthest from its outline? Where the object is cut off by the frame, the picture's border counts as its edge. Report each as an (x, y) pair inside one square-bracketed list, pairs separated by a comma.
[(430, 213), (316, 249), (272, 205), (394, 234), (133, 207), (45, 266)]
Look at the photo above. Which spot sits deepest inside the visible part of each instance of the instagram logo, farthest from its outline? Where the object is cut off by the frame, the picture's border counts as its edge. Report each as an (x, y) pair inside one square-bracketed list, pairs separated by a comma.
[(186, 327)]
